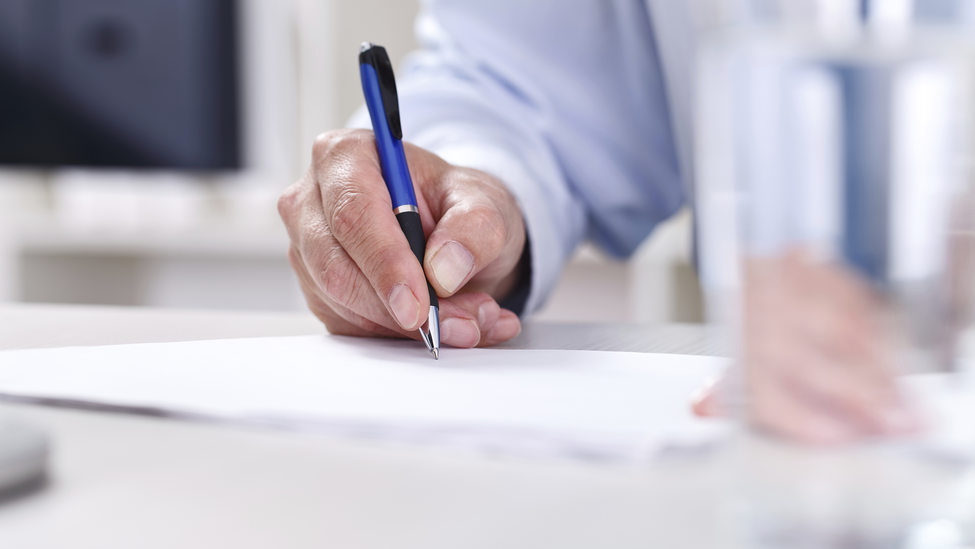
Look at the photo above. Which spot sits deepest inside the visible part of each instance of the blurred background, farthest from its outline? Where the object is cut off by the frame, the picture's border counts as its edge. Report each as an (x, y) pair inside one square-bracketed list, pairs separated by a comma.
[(144, 143)]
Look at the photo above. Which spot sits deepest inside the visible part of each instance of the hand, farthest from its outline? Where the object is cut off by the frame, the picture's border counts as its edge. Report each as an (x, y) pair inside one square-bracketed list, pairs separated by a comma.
[(356, 269), (816, 367)]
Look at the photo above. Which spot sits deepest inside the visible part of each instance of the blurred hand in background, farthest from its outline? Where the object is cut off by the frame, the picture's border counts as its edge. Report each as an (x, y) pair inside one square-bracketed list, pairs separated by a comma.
[(818, 363)]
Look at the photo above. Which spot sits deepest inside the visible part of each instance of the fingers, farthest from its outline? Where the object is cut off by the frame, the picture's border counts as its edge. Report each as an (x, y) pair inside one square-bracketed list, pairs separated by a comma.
[(339, 320), (358, 212), (846, 404), (324, 264), (706, 403), (458, 328), (815, 365), (780, 412), (356, 268), (507, 327), (497, 325), (817, 410), (467, 320)]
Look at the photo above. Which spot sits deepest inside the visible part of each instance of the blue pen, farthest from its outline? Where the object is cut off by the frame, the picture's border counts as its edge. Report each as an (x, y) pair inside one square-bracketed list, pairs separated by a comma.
[(379, 87)]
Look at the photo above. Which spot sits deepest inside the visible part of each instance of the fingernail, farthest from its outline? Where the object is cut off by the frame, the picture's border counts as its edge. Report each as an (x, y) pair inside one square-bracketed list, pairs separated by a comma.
[(451, 265), (482, 314), (405, 307), (458, 332), (506, 328)]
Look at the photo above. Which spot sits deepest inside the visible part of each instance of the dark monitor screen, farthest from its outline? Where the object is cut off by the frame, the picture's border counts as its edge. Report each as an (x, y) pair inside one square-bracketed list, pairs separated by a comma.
[(119, 83)]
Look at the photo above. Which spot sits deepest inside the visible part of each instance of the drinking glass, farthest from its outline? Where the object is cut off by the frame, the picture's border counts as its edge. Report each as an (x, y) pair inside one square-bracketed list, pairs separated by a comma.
[(838, 131)]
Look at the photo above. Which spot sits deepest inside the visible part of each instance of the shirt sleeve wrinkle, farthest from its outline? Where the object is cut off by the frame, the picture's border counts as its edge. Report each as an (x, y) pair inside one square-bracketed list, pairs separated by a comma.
[(560, 99)]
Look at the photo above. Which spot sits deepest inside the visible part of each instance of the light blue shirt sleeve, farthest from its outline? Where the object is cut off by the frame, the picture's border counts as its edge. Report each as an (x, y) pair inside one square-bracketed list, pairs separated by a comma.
[(562, 100)]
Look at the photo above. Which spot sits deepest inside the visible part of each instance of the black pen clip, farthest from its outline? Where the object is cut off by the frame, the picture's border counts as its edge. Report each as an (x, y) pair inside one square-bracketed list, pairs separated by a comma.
[(376, 56)]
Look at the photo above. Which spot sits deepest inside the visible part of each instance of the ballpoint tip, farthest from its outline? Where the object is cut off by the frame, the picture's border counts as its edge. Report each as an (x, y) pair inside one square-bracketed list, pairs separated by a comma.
[(436, 354)]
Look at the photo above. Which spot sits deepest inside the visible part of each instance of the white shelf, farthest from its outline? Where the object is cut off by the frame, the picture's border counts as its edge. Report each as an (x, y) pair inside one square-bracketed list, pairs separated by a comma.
[(213, 239)]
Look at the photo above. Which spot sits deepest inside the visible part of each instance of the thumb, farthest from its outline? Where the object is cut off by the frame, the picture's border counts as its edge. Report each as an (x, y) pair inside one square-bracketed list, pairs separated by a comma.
[(477, 238)]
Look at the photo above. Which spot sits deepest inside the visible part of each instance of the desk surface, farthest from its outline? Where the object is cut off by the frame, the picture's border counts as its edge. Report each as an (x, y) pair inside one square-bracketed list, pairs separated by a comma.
[(123, 481)]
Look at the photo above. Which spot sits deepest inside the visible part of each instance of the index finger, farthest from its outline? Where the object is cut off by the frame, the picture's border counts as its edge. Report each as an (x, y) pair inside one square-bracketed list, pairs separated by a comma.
[(359, 214)]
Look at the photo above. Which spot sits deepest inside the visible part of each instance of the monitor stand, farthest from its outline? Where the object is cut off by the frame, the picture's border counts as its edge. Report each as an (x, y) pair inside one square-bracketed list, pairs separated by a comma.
[(23, 454)]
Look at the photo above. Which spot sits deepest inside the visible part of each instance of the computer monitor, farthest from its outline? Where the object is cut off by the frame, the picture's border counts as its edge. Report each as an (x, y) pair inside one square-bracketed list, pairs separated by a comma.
[(120, 84)]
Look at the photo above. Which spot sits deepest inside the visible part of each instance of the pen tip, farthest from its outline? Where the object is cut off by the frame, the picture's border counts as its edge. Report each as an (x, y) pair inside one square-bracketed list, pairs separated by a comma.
[(436, 354)]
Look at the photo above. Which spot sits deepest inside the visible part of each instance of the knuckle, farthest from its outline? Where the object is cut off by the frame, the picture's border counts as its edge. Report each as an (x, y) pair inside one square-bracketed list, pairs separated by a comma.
[(489, 226), (336, 142), (288, 201), (341, 280), (382, 266), (324, 143), (350, 212)]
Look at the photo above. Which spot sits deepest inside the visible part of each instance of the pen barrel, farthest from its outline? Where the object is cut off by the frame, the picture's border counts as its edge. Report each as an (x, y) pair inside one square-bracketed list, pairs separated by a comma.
[(413, 229), (396, 172), (392, 156)]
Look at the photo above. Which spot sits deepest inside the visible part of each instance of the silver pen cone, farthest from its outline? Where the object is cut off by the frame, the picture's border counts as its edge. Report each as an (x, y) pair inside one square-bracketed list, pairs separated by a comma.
[(426, 337), (430, 332)]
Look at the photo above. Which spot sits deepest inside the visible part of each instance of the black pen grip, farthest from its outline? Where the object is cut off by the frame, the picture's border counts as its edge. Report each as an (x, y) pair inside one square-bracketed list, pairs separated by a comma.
[(413, 229)]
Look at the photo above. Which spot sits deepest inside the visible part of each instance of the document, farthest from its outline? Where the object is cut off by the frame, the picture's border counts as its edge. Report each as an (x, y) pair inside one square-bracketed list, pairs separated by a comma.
[(578, 405)]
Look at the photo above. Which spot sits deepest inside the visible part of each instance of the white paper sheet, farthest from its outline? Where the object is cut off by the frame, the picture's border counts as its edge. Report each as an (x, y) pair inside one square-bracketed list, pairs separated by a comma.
[(588, 405)]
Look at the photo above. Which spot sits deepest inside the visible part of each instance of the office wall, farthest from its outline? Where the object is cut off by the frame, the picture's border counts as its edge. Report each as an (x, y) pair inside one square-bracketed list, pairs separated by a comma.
[(178, 240), (385, 22), (329, 34)]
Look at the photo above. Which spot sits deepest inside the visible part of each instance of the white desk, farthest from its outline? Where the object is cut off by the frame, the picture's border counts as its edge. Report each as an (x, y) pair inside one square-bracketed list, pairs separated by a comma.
[(132, 482)]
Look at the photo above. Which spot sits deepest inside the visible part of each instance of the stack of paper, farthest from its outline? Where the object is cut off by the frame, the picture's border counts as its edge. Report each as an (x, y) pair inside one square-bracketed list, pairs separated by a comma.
[(588, 405)]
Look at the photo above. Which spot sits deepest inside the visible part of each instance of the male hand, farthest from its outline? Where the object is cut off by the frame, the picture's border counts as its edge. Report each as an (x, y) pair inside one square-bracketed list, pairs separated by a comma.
[(354, 264), (816, 365)]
